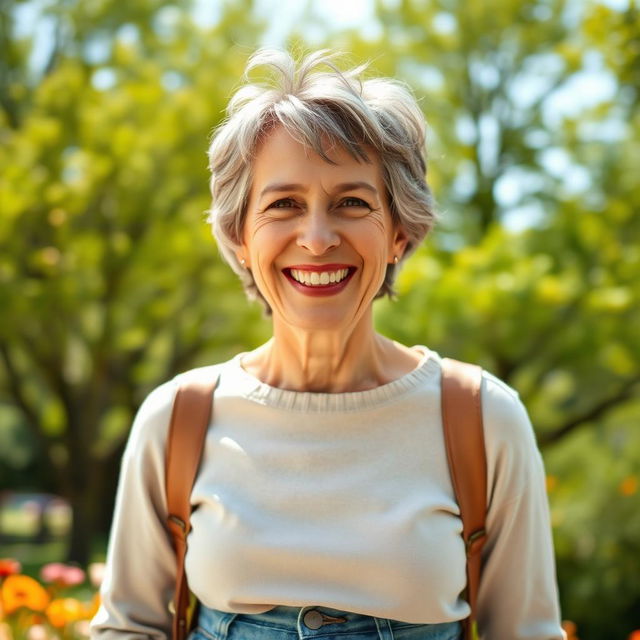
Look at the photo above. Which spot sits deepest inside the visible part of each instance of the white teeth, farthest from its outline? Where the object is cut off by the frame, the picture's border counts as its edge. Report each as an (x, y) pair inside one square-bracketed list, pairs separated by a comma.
[(316, 278)]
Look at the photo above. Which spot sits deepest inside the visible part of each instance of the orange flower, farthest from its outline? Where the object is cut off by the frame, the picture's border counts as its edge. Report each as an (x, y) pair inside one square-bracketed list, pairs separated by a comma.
[(23, 591), (64, 610), (8, 567), (629, 486), (634, 635)]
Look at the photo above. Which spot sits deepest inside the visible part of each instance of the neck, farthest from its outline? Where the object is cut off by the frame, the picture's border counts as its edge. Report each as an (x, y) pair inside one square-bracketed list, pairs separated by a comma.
[(329, 361)]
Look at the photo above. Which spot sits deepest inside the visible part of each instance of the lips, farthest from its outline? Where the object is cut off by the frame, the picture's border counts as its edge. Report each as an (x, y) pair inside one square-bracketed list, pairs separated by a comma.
[(319, 280)]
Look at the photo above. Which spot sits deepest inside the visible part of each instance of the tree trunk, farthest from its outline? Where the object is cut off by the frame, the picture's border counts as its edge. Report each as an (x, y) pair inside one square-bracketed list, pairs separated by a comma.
[(92, 502), (82, 530)]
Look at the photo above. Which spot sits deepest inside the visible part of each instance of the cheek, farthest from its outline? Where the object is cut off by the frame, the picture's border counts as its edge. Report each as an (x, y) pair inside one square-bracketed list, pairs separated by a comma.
[(373, 239), (265, 243), (262, 238)]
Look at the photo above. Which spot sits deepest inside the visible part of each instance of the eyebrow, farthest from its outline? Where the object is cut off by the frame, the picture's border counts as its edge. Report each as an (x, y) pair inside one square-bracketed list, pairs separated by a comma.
[(340, 188)]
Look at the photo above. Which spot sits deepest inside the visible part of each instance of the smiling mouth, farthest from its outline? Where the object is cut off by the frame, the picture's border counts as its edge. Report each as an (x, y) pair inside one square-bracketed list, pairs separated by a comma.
[(320, 280)]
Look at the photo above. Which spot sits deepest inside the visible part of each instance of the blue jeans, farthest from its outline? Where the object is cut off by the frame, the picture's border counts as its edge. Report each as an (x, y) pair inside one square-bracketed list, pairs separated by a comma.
[(308, 623)]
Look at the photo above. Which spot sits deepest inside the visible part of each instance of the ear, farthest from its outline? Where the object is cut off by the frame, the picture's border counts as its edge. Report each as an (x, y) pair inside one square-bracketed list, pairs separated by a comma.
[(241, 254), (399, 243)]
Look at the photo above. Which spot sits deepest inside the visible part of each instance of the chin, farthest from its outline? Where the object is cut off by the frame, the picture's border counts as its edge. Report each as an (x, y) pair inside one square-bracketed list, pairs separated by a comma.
[(316, 320)]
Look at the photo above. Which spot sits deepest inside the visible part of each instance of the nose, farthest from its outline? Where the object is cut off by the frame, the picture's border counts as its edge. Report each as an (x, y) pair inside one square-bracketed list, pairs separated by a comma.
[(317, 233)]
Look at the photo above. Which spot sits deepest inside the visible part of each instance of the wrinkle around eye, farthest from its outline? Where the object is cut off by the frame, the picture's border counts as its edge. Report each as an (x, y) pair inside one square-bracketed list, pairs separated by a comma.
[(358, 212)]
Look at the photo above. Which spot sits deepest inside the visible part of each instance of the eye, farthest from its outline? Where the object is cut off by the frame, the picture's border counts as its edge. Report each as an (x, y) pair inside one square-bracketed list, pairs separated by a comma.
[(283, 203), (354, 202)]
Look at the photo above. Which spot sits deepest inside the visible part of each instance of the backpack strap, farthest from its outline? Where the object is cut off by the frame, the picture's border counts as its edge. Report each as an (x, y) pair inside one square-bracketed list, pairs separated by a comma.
[(190, 418), (464, 438)]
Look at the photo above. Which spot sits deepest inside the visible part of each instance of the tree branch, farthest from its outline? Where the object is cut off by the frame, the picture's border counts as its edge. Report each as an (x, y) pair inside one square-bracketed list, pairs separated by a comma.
[(597, 411), (536, 344)]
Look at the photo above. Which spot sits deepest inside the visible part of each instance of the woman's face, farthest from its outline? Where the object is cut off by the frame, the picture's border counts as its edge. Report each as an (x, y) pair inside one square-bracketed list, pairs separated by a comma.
[(317, 236)]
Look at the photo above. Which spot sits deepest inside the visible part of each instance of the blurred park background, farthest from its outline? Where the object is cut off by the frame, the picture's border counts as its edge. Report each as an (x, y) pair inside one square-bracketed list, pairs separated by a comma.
[(110, 281)]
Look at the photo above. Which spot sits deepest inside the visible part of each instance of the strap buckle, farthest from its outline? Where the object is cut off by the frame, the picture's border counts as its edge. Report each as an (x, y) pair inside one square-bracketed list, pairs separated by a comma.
[(175, 521), (470, 542)]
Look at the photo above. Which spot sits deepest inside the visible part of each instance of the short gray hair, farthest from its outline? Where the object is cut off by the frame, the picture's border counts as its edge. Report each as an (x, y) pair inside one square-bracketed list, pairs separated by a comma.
[(315, 106)]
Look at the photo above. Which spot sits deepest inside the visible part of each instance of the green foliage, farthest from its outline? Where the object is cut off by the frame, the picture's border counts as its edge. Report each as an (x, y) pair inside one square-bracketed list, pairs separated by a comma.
[(108, 273), (593, 486)]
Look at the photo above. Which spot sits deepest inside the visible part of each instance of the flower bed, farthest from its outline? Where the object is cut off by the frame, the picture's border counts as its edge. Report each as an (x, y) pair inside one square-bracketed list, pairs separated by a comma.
[(58, 607)]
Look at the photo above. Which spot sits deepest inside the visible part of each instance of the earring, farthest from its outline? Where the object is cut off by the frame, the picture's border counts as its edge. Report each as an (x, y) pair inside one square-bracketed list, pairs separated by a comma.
[(395, 259), (242, 262)]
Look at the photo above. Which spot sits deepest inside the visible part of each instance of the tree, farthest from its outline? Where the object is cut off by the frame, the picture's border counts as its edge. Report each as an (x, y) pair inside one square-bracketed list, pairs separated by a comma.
[(109, 279)]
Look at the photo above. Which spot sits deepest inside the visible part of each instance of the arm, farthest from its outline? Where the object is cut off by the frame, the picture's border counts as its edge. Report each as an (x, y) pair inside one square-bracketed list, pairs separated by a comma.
[(518, 596), (141, 565)]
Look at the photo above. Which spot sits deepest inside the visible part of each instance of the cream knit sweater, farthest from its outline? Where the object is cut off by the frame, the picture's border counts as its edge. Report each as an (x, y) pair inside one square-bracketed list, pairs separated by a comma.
[(342, 500)]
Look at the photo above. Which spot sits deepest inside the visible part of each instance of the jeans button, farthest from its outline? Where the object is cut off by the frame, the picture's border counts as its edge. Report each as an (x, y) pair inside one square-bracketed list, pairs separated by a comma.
[(313, 619)]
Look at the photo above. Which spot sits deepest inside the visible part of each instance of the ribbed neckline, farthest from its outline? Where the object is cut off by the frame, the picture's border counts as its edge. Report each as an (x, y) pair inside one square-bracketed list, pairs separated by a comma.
[(254, 389)]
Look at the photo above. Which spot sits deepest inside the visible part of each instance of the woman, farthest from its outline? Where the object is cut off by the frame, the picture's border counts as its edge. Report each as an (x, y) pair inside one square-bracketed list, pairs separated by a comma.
[(324, 504)]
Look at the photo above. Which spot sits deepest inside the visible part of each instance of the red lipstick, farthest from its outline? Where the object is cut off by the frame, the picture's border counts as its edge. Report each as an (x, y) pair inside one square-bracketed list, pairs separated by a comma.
[(330, 289)]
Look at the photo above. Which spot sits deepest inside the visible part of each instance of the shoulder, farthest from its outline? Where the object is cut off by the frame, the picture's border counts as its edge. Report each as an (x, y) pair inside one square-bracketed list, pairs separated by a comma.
[(504, 414), (505, 418), (151, 424), (502, 406), (513, 458), (502, 409)]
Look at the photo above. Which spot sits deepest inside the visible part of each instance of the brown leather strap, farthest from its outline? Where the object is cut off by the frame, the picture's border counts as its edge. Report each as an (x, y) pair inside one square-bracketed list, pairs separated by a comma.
[(190, 418), (464, 437)]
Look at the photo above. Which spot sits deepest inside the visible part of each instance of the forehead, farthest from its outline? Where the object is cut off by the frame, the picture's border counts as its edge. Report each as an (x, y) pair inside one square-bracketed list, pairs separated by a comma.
[(280, 157)]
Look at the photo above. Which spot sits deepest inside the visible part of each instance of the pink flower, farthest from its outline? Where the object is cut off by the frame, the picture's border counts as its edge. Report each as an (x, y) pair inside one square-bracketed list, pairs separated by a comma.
[(64, 575)]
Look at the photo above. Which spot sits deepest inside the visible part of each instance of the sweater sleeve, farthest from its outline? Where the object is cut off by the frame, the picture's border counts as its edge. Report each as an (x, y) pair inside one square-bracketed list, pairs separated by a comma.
[(140, 569), (518, 597)]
